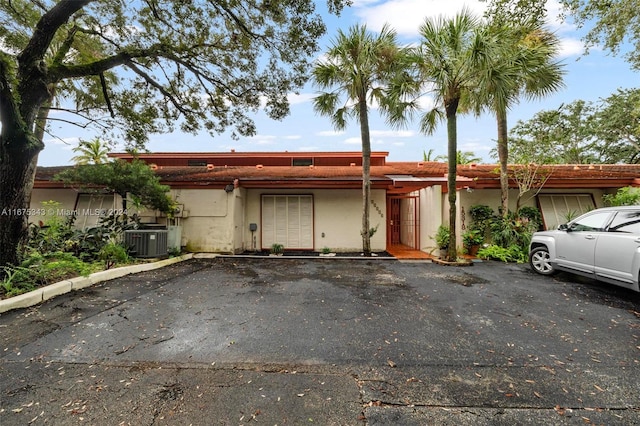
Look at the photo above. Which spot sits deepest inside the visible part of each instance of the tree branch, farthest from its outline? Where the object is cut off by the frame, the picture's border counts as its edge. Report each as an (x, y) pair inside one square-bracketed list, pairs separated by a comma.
[(105, 93), (176, 103), (47, 26), (8, 107)]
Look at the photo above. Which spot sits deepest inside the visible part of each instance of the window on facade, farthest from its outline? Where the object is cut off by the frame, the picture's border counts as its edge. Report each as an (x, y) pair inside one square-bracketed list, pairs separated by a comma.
[(197, 162), (302, 161), (90, 208), (287, 220), (557, 209)]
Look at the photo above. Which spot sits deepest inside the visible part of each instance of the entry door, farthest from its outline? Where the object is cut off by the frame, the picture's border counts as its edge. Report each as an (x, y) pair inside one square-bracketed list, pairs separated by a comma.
[(287, 220)]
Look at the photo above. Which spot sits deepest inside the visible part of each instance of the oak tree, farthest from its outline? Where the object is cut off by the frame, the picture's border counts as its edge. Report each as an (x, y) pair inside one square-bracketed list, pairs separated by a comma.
[(136, 68)]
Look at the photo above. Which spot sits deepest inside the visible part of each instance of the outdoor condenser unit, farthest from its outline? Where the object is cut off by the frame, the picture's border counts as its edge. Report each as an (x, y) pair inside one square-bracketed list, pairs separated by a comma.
[(147, 242)]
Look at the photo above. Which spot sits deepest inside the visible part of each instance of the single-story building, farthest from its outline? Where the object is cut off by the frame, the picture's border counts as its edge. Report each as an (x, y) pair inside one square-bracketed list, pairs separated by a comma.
[(234, 202)]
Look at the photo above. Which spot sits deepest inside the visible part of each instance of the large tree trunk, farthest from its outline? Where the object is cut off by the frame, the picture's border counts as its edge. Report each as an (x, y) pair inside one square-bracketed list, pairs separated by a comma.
[(366, 176), (17, 173), (503, 159), (452, 160)]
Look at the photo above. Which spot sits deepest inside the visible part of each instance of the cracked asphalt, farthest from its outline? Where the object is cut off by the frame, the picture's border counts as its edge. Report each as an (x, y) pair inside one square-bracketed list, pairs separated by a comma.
[(234, 341)]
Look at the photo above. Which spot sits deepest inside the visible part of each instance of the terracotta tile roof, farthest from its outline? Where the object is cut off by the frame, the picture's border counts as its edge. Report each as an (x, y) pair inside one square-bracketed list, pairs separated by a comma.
[(481, 175)]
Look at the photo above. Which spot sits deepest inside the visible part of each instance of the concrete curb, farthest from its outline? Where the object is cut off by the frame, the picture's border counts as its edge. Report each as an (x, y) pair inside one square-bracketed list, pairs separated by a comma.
[(45, 293)]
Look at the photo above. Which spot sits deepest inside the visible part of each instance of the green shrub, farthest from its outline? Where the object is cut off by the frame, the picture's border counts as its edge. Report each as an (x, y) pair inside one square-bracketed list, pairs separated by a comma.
[(512, 253), (38, 269), (627, 196), (113, 253), (277, 248), (481, 217), (533, 215), (511, 231), (16, 282), (442, 237)]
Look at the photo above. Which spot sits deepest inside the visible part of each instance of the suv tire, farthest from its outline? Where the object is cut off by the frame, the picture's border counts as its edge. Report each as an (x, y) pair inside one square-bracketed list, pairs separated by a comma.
[(540, 261)]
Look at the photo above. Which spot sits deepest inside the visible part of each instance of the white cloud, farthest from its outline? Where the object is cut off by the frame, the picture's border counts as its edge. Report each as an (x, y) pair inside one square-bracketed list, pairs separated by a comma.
[(392, 133), (571, 47), (295, 99), (406, 16), (330, 133), (353, 141), (63, 141), (262, 139), (293, 137)]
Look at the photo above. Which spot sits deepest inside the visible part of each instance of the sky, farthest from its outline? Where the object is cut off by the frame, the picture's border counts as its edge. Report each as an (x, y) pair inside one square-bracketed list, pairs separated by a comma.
[(588, 77)]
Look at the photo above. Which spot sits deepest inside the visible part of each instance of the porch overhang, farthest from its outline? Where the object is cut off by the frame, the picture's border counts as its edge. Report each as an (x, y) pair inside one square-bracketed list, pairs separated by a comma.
[(408, 183)]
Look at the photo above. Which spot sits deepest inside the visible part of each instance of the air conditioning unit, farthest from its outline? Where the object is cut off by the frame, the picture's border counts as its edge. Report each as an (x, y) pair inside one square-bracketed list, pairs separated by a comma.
[(147, 242)]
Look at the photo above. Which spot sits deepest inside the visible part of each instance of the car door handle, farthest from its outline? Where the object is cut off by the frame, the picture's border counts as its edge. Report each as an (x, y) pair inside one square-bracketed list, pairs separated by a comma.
[(589, 237), (637, 240)]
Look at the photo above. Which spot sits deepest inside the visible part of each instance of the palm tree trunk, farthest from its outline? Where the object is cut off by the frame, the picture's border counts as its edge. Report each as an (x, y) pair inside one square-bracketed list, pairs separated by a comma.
[(366, 174), (452, 136), (503, 159)]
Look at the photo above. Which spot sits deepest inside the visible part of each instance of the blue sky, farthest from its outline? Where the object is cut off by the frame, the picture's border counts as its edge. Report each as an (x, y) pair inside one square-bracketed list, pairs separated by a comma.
[(590, 77)]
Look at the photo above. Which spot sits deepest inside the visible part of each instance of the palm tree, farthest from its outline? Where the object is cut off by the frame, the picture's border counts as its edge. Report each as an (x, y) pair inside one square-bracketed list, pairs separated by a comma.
[(462, 157), (354, 74), (451, 60), (525, 67), (91, 152)]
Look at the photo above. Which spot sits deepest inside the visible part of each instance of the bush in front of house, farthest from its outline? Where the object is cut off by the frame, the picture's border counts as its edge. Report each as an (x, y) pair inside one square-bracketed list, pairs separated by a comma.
[(55, 251), (508, 236)]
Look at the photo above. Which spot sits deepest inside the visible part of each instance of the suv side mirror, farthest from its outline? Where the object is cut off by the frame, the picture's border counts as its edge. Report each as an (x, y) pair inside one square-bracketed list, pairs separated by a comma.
[(564, 227)]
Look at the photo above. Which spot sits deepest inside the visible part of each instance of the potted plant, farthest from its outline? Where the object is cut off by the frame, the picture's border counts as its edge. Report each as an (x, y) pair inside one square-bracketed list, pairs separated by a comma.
[(472, 239), (442, 240), (277, 249)]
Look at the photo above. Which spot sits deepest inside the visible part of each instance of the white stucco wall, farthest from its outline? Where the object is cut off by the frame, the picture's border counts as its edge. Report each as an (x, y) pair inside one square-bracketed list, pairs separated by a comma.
[(209, 222), (67, 199), (491, 198), (337, 217), (431, 215)]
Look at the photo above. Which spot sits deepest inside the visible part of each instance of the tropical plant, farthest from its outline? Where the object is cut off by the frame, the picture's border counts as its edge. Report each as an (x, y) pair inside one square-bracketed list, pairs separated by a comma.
[(627, 196), (353, 74), (452, 59), (481, 217), (462, 157), (207, 65), (472, 237), (91, 152), (428, 156), (524, 65), (277, 248), (511, 230), (512, 253), (113, 253), (533, 215), (442, 237)]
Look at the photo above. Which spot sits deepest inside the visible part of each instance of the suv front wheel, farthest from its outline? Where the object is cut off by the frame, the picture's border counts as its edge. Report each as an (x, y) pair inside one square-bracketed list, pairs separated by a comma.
[(540, 261)]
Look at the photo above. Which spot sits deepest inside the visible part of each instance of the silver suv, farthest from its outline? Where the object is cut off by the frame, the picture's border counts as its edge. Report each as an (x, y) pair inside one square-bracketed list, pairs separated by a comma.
[(602, 244)]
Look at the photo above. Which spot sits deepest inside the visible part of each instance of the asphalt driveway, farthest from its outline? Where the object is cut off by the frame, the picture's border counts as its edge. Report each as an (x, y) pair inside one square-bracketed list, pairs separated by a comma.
[(234, 341)]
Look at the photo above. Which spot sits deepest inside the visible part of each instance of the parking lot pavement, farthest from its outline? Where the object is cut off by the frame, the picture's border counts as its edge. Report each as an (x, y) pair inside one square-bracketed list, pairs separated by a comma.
[(290, 341)]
